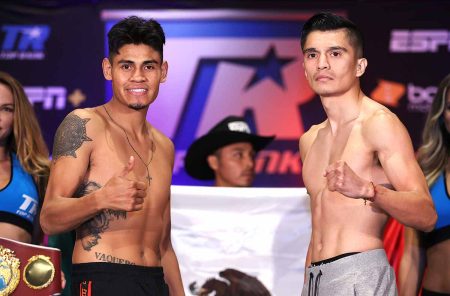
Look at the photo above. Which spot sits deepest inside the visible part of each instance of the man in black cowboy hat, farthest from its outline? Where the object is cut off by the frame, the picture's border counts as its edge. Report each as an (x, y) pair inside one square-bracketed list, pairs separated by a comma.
[(226, 154)]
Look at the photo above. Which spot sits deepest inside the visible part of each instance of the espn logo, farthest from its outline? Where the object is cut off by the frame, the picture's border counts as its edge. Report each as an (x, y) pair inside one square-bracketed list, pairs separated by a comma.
[(52, 97), (419, 41)]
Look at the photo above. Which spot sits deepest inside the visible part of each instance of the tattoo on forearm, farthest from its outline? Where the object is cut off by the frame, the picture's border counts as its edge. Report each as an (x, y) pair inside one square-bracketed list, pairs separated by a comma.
[(89, 232), (69, 136), (112, 259)]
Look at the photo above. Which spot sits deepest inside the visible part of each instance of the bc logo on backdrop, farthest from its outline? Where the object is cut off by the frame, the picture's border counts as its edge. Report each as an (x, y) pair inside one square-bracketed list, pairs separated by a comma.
[(223, 62)]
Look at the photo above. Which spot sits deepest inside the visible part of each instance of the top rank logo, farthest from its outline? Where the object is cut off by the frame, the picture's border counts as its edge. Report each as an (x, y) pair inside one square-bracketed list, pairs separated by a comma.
[(23, 42)]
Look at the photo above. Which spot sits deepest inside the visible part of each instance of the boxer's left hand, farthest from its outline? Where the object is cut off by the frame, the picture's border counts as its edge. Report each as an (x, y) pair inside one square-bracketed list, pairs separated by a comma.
[(341, 178)]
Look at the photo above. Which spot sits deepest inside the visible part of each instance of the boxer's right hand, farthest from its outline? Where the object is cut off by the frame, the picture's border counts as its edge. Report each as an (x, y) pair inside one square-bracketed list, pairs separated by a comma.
[(123, 193)]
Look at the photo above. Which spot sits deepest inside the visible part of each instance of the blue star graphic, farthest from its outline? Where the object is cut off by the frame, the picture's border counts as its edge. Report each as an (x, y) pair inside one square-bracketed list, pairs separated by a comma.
[(269, 66)]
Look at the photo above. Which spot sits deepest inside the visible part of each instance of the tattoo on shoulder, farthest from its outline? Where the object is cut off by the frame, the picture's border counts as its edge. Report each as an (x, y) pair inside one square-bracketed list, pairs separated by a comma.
[(112, 259), (69, 136), (90, 231)]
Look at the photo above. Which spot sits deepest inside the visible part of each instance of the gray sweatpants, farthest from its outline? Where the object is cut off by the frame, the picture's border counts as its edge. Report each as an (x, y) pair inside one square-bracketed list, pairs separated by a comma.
[(366, 273)]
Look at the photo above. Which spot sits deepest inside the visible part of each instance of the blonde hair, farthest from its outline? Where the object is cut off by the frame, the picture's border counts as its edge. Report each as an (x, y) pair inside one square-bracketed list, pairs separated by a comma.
[(26, 140), (434, 152)]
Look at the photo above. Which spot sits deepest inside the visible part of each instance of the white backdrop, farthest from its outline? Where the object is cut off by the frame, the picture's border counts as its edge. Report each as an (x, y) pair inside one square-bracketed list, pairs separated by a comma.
[(263, 232)]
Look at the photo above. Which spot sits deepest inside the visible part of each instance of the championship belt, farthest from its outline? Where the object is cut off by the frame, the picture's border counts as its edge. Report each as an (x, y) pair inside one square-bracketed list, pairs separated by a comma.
[(27, 269)]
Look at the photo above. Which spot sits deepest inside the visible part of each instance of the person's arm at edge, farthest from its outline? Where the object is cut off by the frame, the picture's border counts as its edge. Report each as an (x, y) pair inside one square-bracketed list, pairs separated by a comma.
[(169, 261), (395, 152), (308, 259), (412, 264), (304, 144), (60, 212)]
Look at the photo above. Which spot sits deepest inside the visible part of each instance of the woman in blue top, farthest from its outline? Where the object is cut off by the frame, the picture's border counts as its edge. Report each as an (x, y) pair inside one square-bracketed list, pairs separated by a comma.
[(24, 164), (426, 259)]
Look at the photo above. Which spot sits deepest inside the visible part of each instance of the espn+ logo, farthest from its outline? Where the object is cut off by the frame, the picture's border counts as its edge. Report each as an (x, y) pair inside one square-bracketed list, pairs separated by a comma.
[(419, 41)]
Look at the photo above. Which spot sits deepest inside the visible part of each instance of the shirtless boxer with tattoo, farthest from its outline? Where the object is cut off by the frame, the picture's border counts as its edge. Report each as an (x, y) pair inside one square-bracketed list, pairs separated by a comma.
[(111, 174)]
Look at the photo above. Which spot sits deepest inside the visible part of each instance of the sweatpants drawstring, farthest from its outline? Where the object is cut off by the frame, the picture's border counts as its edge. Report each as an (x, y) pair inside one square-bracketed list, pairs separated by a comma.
[(316, 285), (311, 280), (314, 291)]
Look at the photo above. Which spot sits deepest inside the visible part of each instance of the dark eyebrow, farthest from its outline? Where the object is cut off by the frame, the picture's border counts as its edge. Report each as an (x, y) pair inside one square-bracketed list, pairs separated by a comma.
[(125, 62), (312, 49), (131, 62), (338, 48), (151, 62)]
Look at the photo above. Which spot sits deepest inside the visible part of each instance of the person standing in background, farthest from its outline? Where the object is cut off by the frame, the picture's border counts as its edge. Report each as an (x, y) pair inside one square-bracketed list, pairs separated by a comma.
[(24, 164), (226, 154), (426, 258)]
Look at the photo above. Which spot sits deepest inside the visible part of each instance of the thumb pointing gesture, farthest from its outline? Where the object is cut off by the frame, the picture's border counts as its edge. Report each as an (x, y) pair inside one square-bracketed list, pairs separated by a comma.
[(128, 168)]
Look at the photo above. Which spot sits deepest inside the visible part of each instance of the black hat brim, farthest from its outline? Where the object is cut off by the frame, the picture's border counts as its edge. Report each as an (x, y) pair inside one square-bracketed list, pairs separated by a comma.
[(195, 162)]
